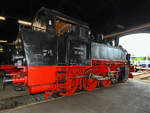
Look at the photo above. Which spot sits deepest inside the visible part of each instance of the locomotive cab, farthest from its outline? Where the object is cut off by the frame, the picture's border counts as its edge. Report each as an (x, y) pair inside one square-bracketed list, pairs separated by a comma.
[(73, 40), (56, 37)]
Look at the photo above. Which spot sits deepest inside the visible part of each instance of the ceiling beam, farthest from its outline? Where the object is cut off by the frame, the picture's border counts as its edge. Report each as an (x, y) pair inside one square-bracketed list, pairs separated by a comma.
[(126, 31)]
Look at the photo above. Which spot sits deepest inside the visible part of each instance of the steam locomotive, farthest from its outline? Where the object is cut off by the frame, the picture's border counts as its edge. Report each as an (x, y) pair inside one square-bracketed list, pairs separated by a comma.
[(57, 55)]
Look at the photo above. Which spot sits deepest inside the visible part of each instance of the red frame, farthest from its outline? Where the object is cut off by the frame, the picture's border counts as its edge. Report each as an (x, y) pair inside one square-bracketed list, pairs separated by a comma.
[(64, 80)]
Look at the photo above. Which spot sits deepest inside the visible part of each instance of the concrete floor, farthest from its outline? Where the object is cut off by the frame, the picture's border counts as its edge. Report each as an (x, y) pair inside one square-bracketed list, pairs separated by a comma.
[(131, 97), (10, 92)]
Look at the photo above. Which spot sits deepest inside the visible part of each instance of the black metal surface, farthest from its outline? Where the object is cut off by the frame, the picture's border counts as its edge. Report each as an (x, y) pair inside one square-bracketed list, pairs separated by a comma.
[(101, 51), (128, 59), (62, 51), (40, 48), (124, 72), (78, 53), (73, 50)]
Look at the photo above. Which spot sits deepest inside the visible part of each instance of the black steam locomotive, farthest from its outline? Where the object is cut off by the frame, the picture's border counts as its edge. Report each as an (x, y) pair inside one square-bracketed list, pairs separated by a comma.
[(57, 55)]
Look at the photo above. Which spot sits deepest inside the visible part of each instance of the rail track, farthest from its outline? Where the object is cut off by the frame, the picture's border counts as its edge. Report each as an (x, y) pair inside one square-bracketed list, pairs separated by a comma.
[(24, 99), (16, 101), (145, 77)]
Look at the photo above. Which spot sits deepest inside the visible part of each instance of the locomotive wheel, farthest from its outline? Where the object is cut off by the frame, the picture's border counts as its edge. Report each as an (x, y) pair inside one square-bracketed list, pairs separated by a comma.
[(70, 87), (89, 84), (106, 83)]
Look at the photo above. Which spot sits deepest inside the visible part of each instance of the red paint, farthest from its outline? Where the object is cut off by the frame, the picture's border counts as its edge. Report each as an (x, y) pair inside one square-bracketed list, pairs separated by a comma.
[(106, 83), (130, 75), (7, 67), (40, 75), (19, 79), (89, 84), (132, 68), (40, 88), (65, 80)]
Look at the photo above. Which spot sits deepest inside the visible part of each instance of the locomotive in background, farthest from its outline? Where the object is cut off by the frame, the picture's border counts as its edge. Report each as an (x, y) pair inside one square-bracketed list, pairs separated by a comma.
[(58, 56)]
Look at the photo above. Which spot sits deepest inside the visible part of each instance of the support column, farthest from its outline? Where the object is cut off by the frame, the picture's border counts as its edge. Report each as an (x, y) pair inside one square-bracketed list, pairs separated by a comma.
[(117, 41)]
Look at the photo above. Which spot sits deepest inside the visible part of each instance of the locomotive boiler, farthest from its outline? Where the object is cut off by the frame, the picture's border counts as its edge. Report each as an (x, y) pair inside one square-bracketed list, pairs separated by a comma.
[(58, 56)]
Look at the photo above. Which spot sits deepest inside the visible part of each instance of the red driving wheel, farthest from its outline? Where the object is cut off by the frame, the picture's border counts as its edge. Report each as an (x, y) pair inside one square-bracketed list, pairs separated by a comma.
[(71, 86), (106, 83), (89, 84)]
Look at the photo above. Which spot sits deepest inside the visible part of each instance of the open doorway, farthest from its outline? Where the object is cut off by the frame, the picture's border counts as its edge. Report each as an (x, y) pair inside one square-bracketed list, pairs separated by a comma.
[(138, 46)]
